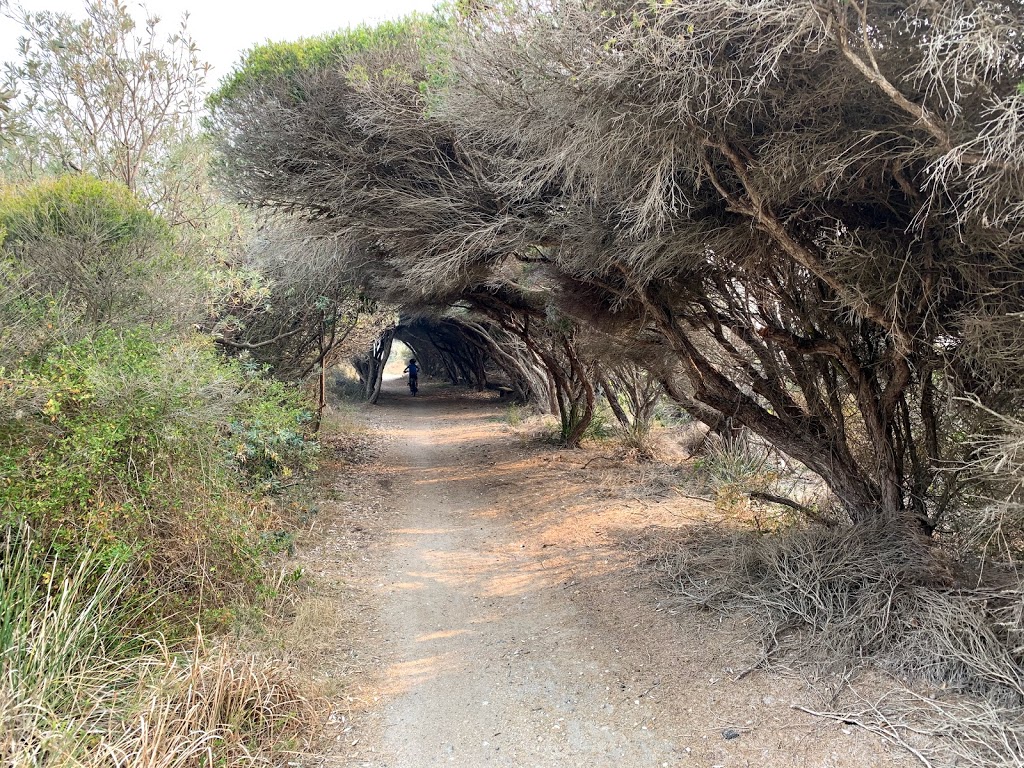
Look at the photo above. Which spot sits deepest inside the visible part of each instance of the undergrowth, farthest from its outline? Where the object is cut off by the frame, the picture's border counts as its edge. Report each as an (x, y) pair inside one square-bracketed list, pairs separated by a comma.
[(78, 690), (881, 593), (600, 427), (515, 414), (131, 445), (137, 473)]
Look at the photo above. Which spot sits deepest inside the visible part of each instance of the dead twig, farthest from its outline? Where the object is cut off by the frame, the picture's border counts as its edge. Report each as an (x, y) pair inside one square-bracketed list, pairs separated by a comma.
[(811, 514), (596, 458), (885, 729)]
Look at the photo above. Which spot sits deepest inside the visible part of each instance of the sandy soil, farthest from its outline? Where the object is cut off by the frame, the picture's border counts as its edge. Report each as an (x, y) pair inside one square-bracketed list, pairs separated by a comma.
[(496, 613)]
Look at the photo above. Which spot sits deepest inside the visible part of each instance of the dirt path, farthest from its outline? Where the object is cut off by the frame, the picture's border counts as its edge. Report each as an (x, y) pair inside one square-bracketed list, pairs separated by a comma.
[(489, 661), (513, 629)]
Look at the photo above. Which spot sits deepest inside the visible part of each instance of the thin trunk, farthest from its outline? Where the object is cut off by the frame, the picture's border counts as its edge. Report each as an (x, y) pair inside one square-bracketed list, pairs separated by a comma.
[(381, 360), (611, 397)]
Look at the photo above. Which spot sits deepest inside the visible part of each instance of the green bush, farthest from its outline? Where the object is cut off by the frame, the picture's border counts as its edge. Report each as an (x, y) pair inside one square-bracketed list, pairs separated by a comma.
[(84, 243), (122, 432), (269, 434), (133, 443), (60, 205), (289, 61)]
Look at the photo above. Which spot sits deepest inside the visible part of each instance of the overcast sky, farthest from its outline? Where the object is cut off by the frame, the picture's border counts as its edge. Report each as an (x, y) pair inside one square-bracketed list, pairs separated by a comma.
[(223, 29)]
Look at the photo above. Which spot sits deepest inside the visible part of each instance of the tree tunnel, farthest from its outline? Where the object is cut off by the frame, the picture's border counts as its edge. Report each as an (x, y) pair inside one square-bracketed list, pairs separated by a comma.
[(528, 362), (461, 351)]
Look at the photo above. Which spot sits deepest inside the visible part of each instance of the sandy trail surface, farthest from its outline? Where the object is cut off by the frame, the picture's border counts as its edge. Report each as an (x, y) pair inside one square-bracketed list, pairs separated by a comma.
[(512, 626)]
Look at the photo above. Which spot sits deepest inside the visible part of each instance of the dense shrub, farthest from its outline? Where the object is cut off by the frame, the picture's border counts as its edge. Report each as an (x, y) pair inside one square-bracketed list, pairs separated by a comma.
[(132, 443), (122, 431), (86, 244)]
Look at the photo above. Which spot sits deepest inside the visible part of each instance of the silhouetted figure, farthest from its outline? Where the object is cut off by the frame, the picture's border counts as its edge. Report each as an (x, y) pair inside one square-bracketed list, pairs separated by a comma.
[(414, 375)]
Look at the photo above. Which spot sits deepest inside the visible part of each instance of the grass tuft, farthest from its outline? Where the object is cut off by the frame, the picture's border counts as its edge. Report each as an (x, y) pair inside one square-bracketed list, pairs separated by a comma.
[(77, 690)]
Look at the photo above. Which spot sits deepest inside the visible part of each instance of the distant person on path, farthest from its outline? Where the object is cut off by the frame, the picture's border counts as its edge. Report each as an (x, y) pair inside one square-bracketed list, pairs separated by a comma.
[(414, 374)]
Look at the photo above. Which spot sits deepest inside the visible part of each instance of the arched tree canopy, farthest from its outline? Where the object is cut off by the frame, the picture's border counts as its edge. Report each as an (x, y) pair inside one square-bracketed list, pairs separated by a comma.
[(813, 207)]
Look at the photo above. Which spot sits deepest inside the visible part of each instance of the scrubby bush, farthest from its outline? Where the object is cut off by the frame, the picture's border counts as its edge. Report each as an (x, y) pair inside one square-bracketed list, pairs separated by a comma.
[(88, 245), (842, 596), (122, 431), (132, 443), (514, 414)]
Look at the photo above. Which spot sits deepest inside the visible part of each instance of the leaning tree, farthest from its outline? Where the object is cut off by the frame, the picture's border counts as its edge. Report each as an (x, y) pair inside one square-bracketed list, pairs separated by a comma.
[(337, 134), (815, 204), (813, 207)]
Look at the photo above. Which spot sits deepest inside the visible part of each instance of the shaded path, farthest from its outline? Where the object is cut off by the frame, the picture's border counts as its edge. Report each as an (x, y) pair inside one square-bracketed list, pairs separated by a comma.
[(488, 665), (510, 628)]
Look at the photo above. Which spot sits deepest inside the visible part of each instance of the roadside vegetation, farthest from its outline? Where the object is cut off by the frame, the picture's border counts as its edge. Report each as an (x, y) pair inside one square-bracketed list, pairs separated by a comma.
[(139, 464), (787, 232)]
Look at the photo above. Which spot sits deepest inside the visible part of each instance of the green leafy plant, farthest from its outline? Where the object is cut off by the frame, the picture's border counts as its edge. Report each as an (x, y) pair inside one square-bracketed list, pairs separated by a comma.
[(514, 415), (600, 426), (120, 437), (288, 62)]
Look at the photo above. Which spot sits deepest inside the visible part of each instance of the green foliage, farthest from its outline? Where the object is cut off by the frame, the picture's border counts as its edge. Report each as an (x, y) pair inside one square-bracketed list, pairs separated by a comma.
[(122, 431), (135, 461), (139, 87), (287, 61), (129, 442), (58, 206), (270, 439), (601, 426), (83, 243)]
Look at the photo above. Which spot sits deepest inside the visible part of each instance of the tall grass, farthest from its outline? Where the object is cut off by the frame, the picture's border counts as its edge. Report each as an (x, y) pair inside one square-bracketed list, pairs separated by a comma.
[(54, 616), (77, 689)]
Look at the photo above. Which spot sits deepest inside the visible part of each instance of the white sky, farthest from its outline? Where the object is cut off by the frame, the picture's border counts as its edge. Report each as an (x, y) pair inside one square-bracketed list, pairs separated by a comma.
[(223, 29)]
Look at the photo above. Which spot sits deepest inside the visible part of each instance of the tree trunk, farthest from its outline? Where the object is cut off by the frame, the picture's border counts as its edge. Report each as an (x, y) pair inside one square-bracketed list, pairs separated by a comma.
[(611, 397), (378, 359), (830, 459)]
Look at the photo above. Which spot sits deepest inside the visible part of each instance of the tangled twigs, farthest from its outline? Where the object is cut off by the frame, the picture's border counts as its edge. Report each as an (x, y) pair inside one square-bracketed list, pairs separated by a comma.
[(837, 599), (952, 730), (875, 721)]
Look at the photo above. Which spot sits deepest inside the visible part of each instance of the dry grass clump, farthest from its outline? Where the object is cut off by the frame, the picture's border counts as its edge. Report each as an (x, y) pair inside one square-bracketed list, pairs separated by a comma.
[(875, 592), (209, 707), (639, 443), (750, 480), (76, 689), (215, 705)]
